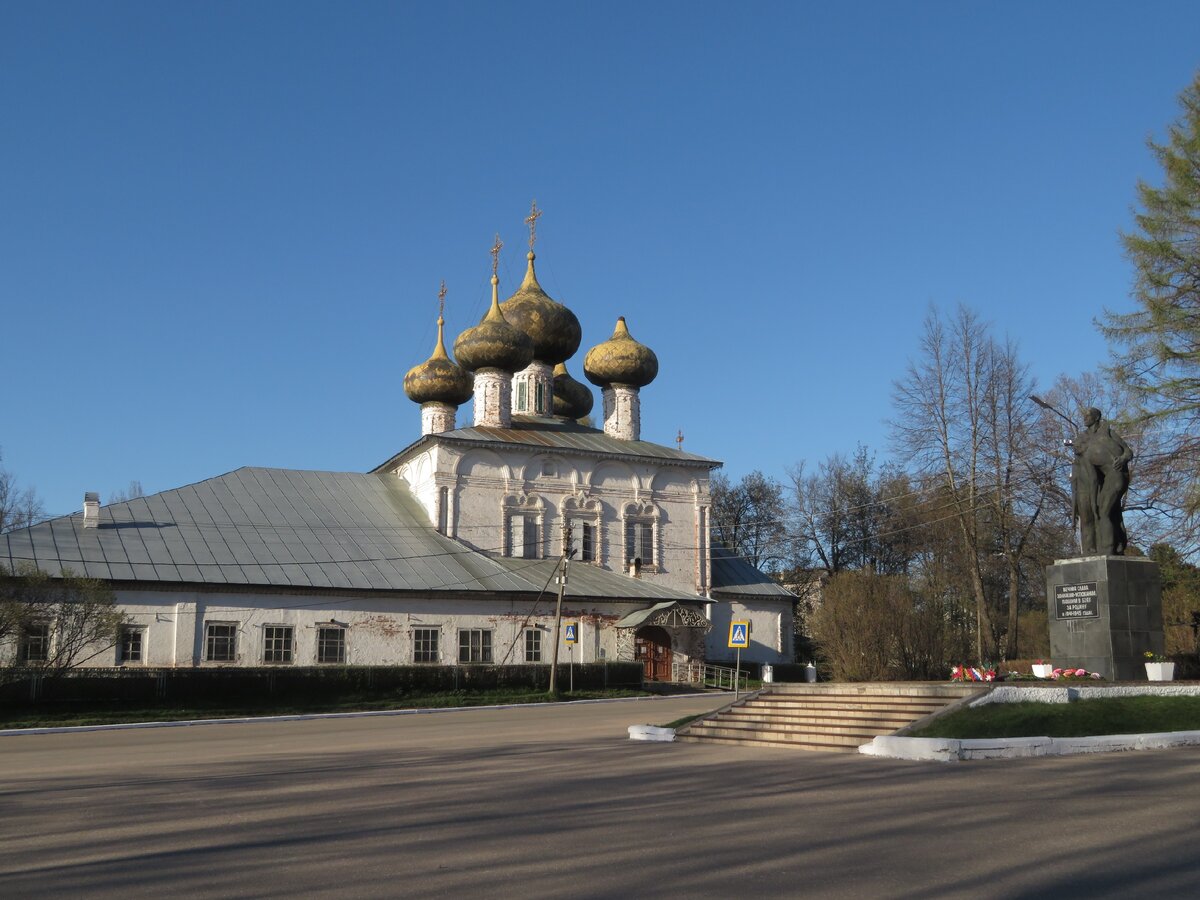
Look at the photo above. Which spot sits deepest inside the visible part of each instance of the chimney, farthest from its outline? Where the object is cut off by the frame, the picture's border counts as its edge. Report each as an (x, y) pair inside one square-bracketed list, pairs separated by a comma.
[(91, 509)]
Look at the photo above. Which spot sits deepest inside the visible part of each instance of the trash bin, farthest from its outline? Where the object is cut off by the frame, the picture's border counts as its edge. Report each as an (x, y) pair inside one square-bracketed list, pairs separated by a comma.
[(810, 673), (768, 674)]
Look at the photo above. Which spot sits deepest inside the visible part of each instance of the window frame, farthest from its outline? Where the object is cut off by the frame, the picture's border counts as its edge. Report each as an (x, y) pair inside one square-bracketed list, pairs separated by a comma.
[(278, 644), (123, 657), (34, 634), (425, 652), (476, 652), (210, 640), (533, 648), (322, 644)]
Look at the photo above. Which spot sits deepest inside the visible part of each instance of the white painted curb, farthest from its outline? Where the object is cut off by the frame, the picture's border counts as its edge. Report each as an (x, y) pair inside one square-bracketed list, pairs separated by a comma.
[(950, 750), (651, 733)]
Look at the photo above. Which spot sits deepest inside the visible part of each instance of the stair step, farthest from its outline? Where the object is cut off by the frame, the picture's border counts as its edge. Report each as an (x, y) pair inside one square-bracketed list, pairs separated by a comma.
[(827, 731), (834, 718), (766, 742), (889, 723)]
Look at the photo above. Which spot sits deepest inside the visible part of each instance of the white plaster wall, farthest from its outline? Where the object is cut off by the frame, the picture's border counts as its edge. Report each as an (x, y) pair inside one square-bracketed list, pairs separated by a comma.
[(770, 630), (379, 631)]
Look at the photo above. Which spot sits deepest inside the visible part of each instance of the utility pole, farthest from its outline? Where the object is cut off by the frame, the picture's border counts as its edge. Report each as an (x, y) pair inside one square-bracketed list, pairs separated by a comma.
[(562, 584)]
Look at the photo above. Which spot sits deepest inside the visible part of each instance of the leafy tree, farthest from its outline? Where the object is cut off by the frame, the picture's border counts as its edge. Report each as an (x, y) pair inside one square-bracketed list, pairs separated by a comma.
[(747, 517), (1157, 346), (80, 613)]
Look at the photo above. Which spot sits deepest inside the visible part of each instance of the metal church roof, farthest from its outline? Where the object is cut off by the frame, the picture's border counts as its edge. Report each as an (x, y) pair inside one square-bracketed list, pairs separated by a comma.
[(732, 575), (287, 528), (557, 434)]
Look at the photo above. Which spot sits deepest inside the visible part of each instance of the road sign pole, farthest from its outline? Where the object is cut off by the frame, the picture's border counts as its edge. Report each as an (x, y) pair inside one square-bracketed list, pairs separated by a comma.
[(737, 674), (571, 665)]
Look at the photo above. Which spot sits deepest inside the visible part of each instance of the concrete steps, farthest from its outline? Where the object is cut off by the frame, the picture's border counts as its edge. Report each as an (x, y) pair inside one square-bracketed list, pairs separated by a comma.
[(829, 717)]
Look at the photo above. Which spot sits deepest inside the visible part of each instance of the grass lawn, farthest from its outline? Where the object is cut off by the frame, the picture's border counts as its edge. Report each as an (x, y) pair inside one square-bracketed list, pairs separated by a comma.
[(1117, 715), (115, 713)]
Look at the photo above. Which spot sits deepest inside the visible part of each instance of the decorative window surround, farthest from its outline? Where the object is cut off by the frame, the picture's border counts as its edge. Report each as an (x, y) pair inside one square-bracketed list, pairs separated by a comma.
[(641, 536), (585, 514), (524, 518)]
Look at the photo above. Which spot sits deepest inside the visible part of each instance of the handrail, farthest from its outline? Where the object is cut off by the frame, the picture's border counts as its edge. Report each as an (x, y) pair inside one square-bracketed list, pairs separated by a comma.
[(710, 675)]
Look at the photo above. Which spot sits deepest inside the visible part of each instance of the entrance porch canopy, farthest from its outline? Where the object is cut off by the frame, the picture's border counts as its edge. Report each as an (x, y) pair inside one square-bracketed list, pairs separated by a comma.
[(669, 614)]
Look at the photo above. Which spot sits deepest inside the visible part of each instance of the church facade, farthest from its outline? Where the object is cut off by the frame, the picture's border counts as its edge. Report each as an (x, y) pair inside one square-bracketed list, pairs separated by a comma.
[(449, 552)]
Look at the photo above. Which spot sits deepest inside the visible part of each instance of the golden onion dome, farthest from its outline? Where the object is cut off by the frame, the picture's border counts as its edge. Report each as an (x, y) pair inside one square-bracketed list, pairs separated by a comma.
[(620, 360), (438, 379), (572, 399), (553, 328), (493, 343)]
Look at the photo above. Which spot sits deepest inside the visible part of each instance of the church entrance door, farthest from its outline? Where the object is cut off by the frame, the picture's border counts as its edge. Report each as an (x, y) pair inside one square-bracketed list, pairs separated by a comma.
[(652, 645)]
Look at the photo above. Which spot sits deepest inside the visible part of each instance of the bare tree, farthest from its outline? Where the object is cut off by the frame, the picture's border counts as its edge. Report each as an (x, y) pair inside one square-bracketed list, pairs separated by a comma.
[(75, 617), (132, 492), (19, 506), (964, 418), (748, 516)]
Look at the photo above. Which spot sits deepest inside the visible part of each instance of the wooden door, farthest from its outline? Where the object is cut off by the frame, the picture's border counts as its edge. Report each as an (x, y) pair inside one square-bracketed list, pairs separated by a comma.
[(652, 645)]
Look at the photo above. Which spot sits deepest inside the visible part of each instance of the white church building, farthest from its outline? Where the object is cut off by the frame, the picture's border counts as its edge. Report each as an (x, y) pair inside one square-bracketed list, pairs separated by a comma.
[(448, 552)]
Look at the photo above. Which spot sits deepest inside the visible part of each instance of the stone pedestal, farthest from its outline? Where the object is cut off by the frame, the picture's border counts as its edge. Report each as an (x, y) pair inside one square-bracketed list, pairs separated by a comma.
[(1105, 612)]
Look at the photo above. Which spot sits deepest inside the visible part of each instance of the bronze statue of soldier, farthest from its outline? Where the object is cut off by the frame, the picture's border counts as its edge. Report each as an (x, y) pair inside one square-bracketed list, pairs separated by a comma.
[(1099, 480)]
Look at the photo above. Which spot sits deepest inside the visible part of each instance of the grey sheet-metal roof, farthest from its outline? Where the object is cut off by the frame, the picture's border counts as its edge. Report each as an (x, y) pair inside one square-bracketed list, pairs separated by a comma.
[(286, 528), (732, 575), (557, 434)]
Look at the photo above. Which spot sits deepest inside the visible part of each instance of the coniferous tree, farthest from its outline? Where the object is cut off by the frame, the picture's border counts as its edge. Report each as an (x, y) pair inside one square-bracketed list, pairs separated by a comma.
[(1157, 346)]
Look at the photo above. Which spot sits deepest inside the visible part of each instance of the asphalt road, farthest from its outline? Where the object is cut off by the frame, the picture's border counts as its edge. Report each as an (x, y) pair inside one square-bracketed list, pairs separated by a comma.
[(556, 802)]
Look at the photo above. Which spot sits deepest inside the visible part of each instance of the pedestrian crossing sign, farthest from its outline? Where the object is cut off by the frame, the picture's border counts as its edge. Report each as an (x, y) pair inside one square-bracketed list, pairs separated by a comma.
[(739, 635), (572, 634)]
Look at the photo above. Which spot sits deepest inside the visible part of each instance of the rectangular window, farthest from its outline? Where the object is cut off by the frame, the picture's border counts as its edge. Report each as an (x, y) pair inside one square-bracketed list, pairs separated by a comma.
[(474, 645), (533, 645), (425, 645), (331, 644), (583, 541), (524, 537), (34, 645), (444, 510), (522, 396), (277, 643), (639, 542), (220, 642), (540, 394), (129, 648)]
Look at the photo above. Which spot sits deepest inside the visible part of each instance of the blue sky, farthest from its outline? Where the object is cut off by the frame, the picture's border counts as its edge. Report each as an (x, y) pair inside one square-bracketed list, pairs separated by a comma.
[(222, 225)]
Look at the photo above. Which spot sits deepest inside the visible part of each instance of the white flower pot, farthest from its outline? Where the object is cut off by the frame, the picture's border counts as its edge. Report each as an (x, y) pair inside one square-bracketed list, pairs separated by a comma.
[(1160, 671), (1045, 670)]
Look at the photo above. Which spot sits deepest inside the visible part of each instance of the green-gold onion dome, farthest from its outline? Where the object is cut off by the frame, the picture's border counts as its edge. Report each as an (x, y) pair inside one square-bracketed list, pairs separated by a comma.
[(620, 360), (572, 399), (438, 379), (553, 328), (493, 343)]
